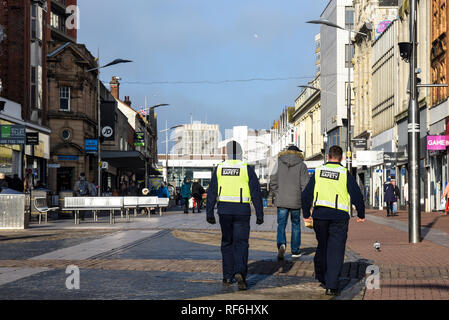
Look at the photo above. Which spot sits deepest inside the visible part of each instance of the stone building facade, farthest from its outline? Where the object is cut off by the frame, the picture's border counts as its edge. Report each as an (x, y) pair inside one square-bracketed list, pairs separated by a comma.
[(72, 113)]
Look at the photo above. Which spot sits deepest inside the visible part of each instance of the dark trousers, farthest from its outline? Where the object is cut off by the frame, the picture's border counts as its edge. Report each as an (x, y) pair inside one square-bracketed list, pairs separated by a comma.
[(186, 205), (234, 244), (389, 208), (330, 253), (199, 202)]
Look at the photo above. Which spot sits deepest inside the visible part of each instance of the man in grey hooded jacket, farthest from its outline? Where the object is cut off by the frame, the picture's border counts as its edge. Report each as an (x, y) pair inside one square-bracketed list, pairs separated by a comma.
[(288, 180)]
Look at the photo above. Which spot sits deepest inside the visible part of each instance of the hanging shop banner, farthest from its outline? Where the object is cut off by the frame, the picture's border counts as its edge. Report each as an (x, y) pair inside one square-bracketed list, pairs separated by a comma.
[(12, 134), (139, 139), (108, 119), (32, 138)]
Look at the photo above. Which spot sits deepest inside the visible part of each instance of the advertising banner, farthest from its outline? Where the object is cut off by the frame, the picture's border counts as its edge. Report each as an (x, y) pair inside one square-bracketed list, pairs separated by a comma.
[(12, 134), (437, 142)]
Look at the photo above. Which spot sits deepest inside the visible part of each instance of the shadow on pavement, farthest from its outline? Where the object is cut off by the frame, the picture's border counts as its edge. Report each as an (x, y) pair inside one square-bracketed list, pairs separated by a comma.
[(351, 272), (426, 228)]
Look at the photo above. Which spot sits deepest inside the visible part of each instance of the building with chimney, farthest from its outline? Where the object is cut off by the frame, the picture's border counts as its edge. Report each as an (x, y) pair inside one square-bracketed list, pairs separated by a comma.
[(142, 143)]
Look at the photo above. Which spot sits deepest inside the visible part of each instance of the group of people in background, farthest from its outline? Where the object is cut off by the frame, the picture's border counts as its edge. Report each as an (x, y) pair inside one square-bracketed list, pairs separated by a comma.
[(19, 185), (192, 190)]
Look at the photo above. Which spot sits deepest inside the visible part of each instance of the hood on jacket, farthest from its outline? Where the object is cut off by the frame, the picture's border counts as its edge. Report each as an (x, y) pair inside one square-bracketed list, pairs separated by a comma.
[(185, 180), (291, 158)]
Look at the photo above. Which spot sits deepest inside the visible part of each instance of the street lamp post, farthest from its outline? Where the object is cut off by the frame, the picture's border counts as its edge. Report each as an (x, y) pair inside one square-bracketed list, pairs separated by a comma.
[(151, 109), (349, 111), (116, 61), (166, 146)]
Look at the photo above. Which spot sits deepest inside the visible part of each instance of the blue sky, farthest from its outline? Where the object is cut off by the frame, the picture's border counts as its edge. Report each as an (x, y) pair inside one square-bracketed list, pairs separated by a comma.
[(205, 40)]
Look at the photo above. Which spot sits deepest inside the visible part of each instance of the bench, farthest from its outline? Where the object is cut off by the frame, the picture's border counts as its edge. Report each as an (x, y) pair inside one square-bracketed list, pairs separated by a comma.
[(94, 204), (40, 204), (139, 203), (124, 204)]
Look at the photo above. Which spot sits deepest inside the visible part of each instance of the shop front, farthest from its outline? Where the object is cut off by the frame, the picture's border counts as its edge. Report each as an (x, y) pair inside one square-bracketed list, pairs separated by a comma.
[(437, 156), (24, 146)]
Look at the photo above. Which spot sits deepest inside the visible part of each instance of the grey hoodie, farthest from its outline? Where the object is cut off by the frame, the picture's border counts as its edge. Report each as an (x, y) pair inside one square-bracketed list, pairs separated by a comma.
[(289, 179)]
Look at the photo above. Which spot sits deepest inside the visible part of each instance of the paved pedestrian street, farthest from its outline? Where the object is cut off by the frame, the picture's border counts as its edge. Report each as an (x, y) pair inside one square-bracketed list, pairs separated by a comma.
[(178, 256)]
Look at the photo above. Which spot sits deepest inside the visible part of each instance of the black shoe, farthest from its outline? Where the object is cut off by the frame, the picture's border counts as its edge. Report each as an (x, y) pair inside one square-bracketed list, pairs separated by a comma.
[(281, 252), (323, 285), (227, 282), (332, 292), (241, 281)]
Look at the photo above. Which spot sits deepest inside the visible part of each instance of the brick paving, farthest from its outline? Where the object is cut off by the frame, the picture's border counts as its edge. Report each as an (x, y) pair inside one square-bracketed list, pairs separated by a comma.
[(418, 271), (407, 271)]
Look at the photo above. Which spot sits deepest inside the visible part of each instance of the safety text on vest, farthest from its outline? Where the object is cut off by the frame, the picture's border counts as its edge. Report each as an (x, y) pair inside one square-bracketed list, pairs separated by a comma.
[(330, 175), (230, 172)]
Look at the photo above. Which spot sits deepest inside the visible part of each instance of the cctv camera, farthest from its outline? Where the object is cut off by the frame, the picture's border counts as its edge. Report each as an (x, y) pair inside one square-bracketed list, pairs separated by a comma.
[(406, 50)]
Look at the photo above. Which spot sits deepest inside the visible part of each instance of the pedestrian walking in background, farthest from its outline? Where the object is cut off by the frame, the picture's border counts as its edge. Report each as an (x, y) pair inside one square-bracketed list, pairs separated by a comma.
[(3, 182), (93, 189), (328, 192), (287, 181), (28, 182), (163, 192), (391, 195), (445, 197), (82, 188), (16, 183), (236, 185), (197, 192), (406, 193), (186, 193)]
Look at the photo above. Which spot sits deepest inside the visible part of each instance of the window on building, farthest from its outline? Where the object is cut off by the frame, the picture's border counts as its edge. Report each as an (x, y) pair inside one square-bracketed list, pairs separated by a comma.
[(64, 98), (54, 20), (33, 91), (349, 55), (33, 21), (349, 18)]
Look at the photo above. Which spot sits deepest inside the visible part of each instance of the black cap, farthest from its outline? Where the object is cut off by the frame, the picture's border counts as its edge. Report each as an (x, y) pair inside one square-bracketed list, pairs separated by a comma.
[(294, 148)]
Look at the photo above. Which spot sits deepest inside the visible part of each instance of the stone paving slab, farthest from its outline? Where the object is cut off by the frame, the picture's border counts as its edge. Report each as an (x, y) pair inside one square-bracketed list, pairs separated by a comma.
[(130, 285), (169, 221)]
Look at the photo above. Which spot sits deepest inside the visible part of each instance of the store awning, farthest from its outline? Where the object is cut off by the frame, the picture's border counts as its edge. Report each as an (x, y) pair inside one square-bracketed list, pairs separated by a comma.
[(127, 159)]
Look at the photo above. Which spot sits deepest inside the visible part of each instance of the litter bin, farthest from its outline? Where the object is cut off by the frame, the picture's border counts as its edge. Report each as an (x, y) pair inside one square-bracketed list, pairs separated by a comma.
[(12, 211)]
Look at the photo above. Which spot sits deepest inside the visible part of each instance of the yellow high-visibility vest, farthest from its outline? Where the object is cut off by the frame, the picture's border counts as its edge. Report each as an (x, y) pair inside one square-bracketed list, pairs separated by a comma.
[(233, 182), (331, 188)]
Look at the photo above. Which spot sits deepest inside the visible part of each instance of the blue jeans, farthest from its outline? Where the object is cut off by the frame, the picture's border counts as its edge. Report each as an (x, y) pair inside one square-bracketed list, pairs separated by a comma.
[(296, 228), (265, 202)]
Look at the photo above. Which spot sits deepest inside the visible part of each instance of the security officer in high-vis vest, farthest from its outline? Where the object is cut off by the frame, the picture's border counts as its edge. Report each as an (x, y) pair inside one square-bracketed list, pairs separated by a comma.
[(331, 191), (234, 185)]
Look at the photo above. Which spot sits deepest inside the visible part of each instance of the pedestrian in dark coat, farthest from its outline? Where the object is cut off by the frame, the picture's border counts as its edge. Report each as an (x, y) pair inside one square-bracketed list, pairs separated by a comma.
[(330, 223), (186, 193), (16, 183), (391, 195), (197, 192), (234, 216)]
